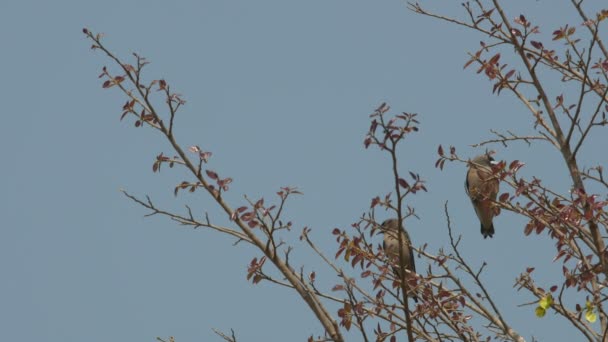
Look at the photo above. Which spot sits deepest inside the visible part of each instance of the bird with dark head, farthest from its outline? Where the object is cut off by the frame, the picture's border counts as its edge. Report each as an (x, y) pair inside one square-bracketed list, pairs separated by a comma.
[(391, 229), (482, 187)]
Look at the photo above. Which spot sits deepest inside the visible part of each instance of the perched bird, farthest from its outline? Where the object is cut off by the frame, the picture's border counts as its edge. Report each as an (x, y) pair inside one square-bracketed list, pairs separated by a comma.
[(391, 228), (482, 188)]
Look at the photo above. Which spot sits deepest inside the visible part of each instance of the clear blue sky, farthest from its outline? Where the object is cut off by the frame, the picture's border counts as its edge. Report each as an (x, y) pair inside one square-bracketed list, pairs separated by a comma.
[(280, 91)]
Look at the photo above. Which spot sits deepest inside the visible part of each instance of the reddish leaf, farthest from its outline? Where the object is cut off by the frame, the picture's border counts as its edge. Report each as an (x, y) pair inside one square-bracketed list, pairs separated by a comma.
[(248, 216), (516, 32), (375, 201), (211, 174), (537, 45), (338, 288), (503, 197)]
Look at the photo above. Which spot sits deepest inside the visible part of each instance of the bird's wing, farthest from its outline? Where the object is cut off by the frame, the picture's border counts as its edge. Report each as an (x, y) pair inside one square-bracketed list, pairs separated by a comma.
[(411, 250)]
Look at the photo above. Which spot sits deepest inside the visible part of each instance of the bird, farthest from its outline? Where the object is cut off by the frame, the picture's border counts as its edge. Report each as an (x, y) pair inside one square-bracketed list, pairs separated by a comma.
[(391, 228), (482, 188)]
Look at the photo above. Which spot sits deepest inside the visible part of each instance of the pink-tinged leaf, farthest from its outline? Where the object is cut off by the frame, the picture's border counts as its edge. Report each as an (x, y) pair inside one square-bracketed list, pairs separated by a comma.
[(503, 197), (537, 45), (248, 216), (381, 107), (558, 34), (366, 274), (211, 174), (162, 84), (529, 270), (107, 84), (529, 228), (521, 20), (516, 32), (223, 183), (373, 126), (118, 79), (252, 224), (553, 288), (440, 151), (338, 288), (375, 201), (194, 149), (403, 183), (241, 209), (204, 156), (515, 165)]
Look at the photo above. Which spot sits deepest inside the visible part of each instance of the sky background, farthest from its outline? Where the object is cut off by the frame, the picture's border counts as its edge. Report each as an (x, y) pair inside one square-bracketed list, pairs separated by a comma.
[(280, 92)]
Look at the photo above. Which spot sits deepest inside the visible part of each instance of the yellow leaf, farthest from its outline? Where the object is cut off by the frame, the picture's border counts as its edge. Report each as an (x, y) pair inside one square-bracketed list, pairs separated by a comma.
[(590, 316), (540, 312), (546, 301)]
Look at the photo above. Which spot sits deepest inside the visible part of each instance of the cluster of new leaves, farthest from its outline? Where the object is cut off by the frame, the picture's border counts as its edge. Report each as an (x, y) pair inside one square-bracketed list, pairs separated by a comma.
[(445, 306), (256, 223), (564, 220), (575, 221), (448, 309)]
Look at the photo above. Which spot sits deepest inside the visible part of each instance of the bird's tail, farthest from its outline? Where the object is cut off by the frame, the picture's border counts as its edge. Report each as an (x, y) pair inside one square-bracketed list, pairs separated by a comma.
[(487, 231)]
